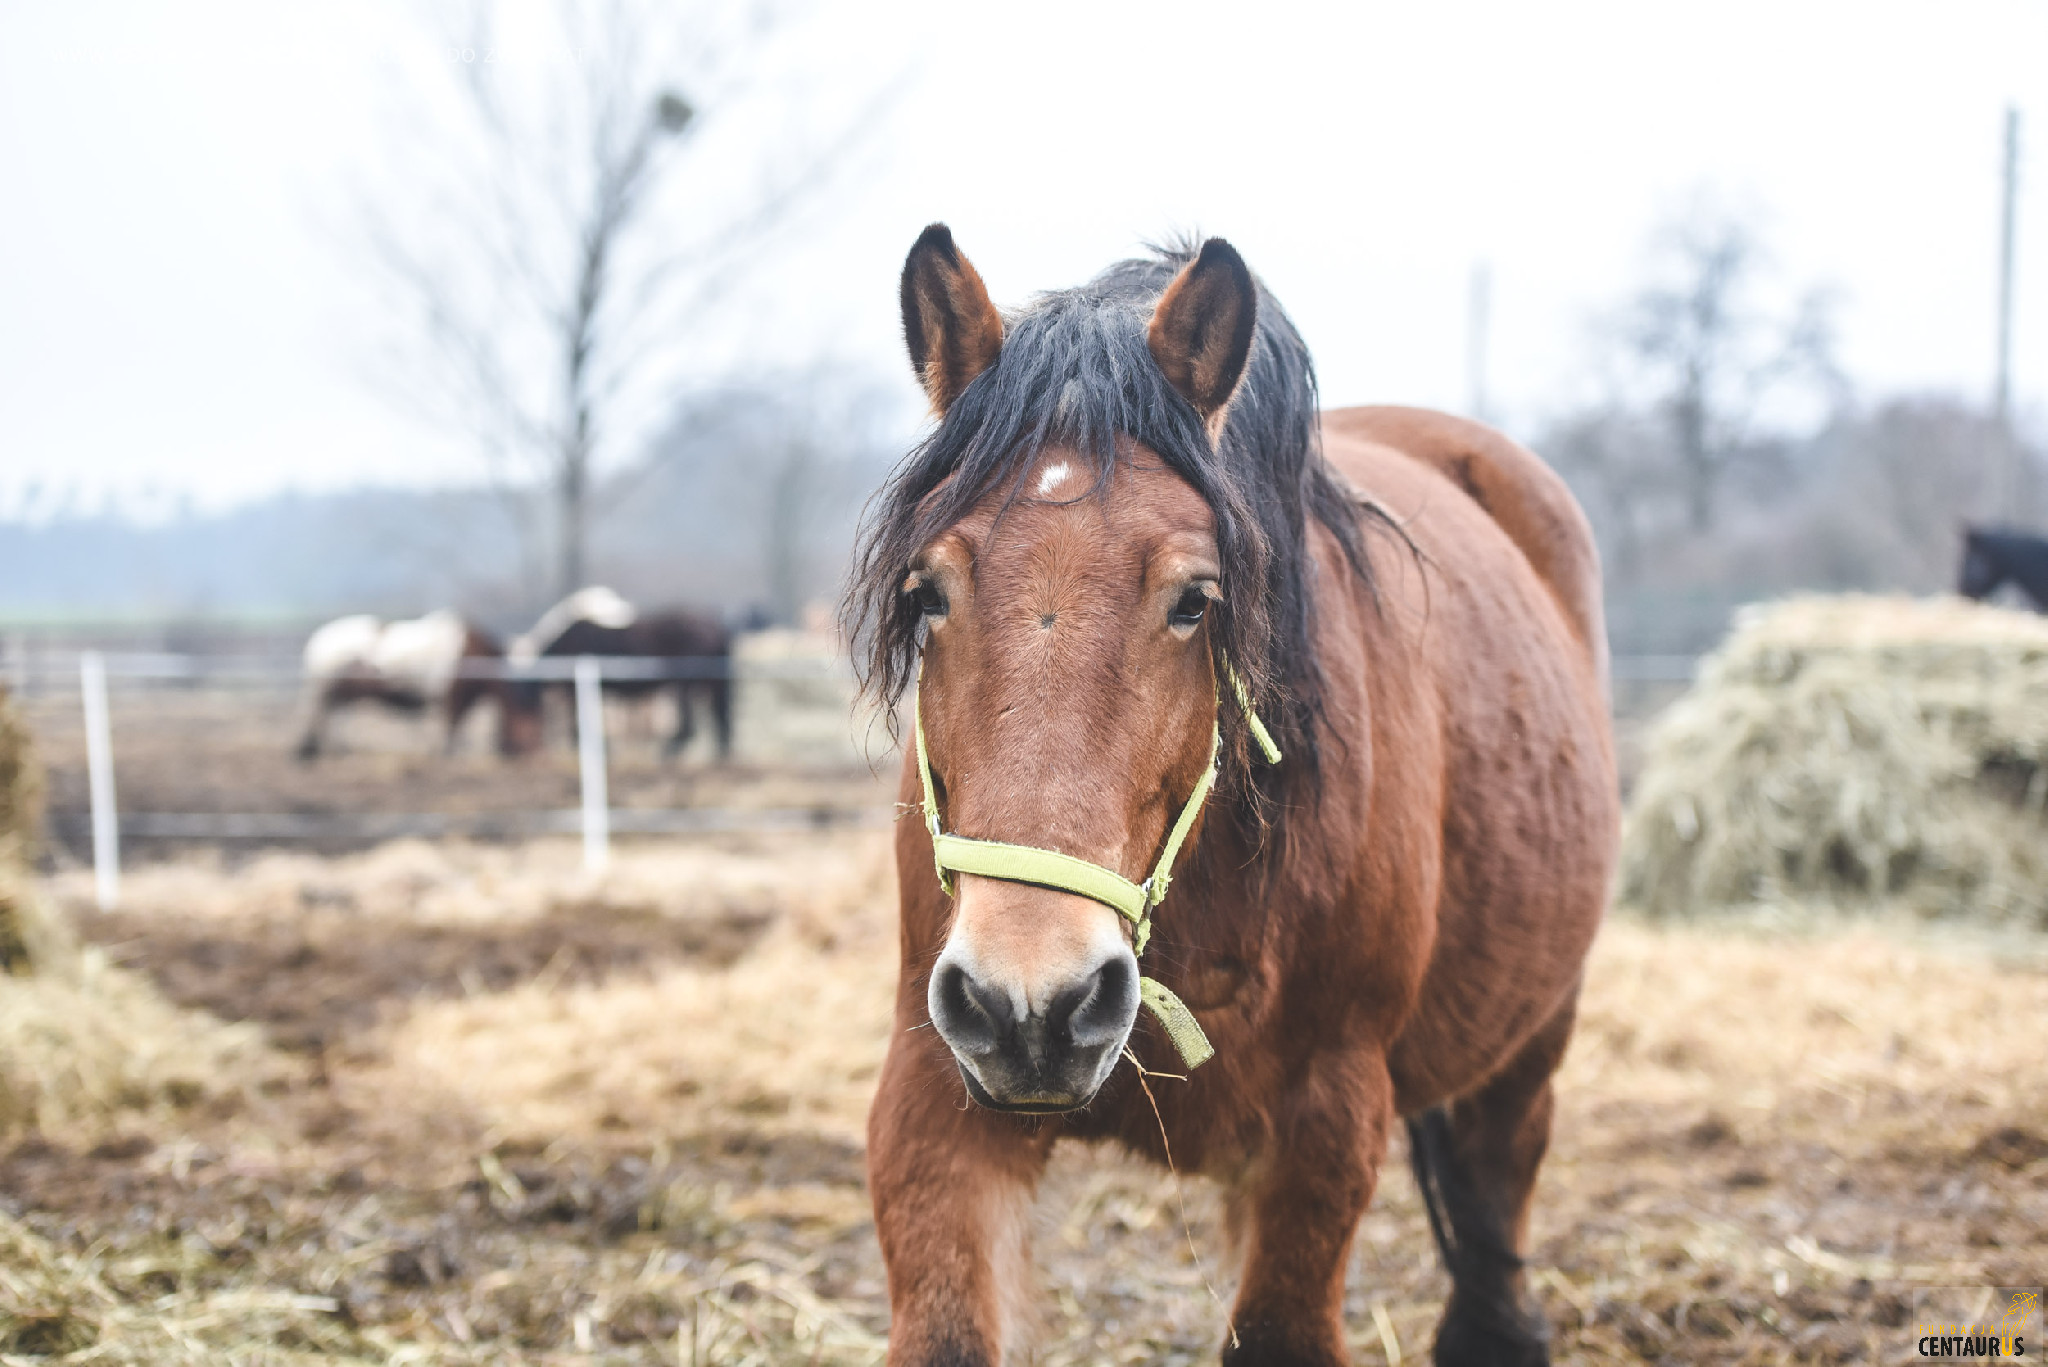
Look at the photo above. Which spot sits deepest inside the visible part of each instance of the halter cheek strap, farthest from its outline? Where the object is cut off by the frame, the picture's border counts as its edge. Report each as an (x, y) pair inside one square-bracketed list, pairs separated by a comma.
[(1084, 878)]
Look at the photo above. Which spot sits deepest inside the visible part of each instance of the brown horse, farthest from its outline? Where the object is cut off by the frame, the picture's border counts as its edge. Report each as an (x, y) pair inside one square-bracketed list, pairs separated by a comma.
[(1130, 496)]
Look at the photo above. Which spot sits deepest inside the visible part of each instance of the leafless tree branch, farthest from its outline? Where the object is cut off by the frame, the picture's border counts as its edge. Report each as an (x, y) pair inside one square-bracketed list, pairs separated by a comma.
[(545, 319)]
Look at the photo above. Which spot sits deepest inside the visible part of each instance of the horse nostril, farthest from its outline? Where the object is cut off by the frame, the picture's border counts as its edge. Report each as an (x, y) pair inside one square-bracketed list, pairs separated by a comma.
[(969, 1016), (1098, 1010)]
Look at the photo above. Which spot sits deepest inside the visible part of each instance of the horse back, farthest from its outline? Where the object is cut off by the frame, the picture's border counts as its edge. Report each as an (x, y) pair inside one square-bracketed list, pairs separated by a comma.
[(681, 632), (1513, 486), (1492, 758)]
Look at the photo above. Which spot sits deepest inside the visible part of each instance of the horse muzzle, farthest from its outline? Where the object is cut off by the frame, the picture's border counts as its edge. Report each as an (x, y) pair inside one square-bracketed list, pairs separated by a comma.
[(1036, 1053)]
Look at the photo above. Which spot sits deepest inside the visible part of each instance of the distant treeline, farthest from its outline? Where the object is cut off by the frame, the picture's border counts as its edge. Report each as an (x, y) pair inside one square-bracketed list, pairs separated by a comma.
[(745, 504)]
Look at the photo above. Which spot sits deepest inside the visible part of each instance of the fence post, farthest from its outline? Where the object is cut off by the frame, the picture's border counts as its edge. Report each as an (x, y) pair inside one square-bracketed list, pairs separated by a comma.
[(99, 773), (597, 811)]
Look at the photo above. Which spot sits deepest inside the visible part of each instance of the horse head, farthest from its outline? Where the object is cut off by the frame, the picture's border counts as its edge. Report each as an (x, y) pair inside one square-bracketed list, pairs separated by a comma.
[(1070, 670), (1980, 574)]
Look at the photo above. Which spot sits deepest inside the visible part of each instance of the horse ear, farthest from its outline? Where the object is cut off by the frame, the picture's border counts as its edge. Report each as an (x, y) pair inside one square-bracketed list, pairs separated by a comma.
[(1201, 333), (953, 331)]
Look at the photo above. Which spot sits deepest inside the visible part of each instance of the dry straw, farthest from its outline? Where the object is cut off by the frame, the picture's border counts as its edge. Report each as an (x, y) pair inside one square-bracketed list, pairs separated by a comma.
[(21, 808), (83, 1044), (1858, 754)]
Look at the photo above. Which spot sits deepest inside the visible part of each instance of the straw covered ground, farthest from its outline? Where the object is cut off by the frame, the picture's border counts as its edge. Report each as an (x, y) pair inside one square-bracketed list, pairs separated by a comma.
[(460, 1104), (1880, 756)]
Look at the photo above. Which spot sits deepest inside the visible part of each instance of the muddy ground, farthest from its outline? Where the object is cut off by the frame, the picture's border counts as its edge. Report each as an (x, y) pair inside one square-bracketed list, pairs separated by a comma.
[(517, 1115)]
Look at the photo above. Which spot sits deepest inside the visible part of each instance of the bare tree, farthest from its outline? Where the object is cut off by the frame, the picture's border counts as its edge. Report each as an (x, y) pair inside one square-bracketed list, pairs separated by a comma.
[(768, 476), (551, 264), (1615, 460), (1713, 358)]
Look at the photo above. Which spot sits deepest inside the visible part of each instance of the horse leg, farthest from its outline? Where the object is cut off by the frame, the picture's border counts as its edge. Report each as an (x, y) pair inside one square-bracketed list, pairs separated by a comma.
[(951, 1186), (721, 715), (1476, 1161), (1301, 1210), (462, 695), (311, 739), (686, 722)]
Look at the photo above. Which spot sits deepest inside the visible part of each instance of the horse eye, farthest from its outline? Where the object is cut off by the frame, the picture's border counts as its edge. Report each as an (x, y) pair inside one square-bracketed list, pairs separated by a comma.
[(929, 600), (1188, 611)]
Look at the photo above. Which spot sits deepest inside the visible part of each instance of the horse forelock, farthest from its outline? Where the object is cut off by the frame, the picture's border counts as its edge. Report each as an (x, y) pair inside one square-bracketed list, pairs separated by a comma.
[(1075, 372)]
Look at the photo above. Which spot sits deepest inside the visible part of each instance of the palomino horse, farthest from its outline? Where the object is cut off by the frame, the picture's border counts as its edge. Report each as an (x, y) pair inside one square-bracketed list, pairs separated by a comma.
[(412, 666), (1996, 556), (596, 621), (1128, 537)]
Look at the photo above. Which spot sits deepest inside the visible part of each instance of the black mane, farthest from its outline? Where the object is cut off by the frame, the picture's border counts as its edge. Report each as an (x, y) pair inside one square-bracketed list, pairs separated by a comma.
[(1074, 370)]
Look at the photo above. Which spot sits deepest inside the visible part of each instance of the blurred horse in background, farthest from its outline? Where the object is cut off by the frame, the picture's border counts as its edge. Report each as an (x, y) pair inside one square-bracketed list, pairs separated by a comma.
[(596, 605), (1995, 557), (410, 666), (597, 621)]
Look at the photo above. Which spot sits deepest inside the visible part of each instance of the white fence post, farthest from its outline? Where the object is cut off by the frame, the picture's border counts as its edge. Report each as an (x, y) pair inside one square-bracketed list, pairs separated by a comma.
[(597, 810), (99, 771)]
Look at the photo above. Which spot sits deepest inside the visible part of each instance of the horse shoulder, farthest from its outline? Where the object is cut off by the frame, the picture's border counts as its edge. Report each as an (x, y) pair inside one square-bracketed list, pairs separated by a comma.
[(1511, 484)]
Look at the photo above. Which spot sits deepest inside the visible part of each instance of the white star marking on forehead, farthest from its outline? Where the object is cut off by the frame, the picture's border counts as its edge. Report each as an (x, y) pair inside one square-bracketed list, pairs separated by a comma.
[(1052, 477)]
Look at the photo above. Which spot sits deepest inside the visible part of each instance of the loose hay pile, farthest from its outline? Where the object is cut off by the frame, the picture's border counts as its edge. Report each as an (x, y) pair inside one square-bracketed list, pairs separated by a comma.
[(652, 1158), (83, 1044), (1858, 754), (21, 807)]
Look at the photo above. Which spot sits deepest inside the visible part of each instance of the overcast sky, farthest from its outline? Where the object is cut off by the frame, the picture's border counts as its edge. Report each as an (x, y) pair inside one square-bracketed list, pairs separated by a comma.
[(178, 314)]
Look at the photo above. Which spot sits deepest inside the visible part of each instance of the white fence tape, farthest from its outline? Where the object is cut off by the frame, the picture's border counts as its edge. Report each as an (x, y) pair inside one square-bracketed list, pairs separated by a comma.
[(593, 818)]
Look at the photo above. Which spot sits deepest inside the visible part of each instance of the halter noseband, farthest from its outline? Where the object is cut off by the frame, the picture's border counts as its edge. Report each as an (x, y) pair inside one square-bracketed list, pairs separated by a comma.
[(1084, 878)]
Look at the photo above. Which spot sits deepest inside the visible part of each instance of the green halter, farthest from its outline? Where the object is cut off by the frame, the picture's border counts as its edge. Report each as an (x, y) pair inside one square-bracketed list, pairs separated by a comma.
[(1049, 868)]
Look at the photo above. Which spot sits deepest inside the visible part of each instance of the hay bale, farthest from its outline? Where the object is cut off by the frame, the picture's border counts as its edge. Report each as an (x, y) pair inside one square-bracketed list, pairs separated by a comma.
[(22, 931), (88, 1049), (21, 781), (1860, 754)]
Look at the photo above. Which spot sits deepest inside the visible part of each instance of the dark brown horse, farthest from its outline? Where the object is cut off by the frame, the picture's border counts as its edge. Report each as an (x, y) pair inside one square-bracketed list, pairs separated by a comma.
[(1128, 497), (694, 643), (1994, 556)]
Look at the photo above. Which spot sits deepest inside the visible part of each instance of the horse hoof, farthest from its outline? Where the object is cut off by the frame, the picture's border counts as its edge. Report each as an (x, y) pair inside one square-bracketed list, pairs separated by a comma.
[(1496, 1336)]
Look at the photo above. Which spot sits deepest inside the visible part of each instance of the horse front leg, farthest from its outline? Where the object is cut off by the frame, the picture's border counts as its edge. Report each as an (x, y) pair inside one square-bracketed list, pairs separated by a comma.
[(312, 738), (952, 1186), (686, 721), (462, 696), (1300, 1209)]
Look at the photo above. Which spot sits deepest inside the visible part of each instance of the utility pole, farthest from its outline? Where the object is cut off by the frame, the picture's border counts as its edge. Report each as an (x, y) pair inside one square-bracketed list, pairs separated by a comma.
[(2005, 481), (1478, 311)]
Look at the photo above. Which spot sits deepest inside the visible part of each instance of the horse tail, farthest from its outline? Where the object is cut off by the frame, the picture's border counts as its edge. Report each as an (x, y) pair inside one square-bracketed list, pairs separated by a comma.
[(1467, 1229)]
